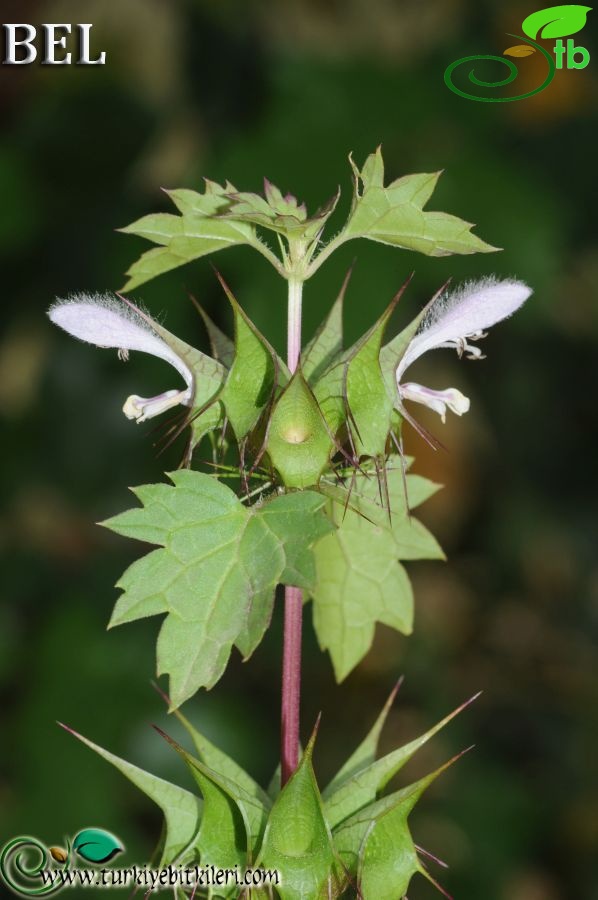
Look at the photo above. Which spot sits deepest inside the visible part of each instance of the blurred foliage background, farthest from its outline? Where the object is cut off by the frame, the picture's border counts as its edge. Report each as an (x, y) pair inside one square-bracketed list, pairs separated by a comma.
[(239, 91)]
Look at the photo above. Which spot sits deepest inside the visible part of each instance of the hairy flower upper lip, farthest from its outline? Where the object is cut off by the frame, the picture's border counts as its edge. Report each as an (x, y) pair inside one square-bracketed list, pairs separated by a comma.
[(103, 320), (454, 320)]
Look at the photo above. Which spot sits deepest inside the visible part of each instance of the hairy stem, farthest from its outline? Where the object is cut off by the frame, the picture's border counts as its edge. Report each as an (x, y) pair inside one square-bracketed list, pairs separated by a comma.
[(293, 599), (324, 253)]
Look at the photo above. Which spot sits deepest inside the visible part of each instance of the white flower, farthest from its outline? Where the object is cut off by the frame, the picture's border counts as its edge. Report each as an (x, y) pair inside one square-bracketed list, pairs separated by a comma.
[(453, 320), (106, 322)]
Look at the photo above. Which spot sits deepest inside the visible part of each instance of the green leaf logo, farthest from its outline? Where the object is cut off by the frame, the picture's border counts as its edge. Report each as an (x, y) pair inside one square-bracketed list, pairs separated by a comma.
[(96, 846), (556, 21)]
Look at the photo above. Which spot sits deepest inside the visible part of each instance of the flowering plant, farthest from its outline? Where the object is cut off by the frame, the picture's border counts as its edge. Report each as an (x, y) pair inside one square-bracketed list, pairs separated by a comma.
[(324, 507)]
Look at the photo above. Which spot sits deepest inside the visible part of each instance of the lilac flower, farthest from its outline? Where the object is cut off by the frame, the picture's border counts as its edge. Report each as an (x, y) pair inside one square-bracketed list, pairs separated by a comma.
[(455, 320), (106, 322)]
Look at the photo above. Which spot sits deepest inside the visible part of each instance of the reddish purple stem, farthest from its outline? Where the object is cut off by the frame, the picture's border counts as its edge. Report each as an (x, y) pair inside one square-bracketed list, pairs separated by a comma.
[(291, 682)]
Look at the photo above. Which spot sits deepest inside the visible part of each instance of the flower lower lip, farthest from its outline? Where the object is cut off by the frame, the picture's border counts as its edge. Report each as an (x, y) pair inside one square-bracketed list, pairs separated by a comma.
[(143, 408), (436, 400)]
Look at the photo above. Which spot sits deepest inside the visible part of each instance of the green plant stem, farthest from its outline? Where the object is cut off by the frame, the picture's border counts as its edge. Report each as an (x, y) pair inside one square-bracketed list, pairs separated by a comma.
[(293, 597), (262, 248), (324, 253), (294, 323)]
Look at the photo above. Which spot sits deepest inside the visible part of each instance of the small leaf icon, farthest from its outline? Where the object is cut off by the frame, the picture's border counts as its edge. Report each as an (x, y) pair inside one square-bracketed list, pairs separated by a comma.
[(96, 845), (556, 21), (59, 854), (519, 50)]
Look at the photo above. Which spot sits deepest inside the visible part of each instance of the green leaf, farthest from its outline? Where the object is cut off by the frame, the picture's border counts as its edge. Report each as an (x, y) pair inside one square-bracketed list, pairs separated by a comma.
[(359, 579), (412, 539), (202, 237), (298, 442), (233, 820), (365, 754), (362, 788), (281, 214), (394, 214), (359, 582), (159, 228), (556, 21), (297, 841), (298, 522), (181, 809), (150, 264), (253, 374), (213, 201), (327, 343), (214, 575), (96, 845), (196, 233)]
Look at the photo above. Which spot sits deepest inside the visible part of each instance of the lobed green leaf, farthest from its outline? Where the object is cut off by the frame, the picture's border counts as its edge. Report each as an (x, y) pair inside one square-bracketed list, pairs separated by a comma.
[(196, 232), (215, 572), (359, 579), (394, 214)]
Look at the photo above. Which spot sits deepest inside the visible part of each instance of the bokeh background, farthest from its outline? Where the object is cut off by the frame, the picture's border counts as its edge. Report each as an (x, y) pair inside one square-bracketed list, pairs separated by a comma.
[(239, 91)]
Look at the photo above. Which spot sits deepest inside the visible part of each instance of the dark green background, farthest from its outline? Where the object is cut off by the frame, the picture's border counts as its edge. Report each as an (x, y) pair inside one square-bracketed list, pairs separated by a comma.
[(241, 91)]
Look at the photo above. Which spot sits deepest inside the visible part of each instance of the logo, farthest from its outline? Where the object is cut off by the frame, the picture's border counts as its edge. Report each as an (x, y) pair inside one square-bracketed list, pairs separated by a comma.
[(555, 22), (24, 43), (30, 869)]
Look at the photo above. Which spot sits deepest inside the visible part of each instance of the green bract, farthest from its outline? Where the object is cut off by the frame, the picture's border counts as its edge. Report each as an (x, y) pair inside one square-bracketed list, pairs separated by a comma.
[(345, 841)]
